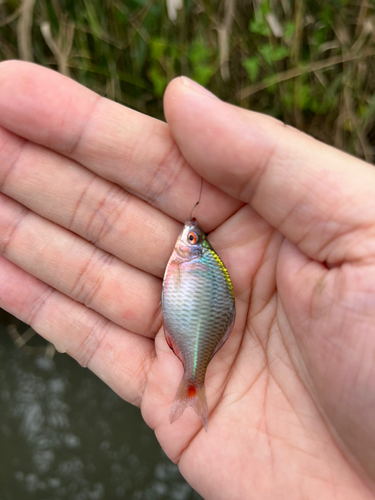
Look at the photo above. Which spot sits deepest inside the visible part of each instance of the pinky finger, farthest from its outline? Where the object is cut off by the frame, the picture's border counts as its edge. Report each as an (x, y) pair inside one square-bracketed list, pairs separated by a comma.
[(119, 357)]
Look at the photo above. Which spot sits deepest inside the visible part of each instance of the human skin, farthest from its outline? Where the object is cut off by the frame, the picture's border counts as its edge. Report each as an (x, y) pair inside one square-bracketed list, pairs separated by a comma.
[(92, 199)]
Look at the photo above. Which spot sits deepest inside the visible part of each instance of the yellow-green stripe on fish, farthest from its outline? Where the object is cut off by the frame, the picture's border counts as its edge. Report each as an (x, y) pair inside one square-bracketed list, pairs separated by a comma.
[(198, 309)]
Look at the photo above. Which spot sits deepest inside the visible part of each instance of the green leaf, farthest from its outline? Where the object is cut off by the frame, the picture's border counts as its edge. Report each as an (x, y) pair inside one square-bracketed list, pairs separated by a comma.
[(266, 51), (203, 73), (327, 14), (265, 7), (289, 30), (303, 96), (174, 52), (259, 26), (272, 54), (120, 16), (157, 48), (279, 53), (252, 67), (198, 52), (158, 80)]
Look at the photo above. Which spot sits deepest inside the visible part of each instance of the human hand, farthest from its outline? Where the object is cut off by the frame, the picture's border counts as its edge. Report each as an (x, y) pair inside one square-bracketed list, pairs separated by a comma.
[(89, 217)]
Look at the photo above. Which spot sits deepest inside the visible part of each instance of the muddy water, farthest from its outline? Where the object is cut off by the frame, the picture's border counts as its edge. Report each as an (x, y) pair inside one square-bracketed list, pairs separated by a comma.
[(65, 435)]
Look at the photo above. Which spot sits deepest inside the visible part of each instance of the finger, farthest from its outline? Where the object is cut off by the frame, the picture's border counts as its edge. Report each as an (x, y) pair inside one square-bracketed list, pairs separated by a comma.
[(130, 149), (120, 358), (61, 190), (244, 234), (320, 198), (125, 295), (329, 320)]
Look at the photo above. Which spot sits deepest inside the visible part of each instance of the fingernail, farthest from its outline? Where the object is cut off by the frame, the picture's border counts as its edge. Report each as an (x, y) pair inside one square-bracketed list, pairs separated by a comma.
[(195, 86)]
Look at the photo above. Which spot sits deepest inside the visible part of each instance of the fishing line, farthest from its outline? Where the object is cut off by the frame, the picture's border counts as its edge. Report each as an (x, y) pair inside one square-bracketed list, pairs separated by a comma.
[(199, 199)]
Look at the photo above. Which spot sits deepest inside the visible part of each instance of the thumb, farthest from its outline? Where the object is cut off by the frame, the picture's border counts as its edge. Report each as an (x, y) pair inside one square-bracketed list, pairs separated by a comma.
[(317, 196)]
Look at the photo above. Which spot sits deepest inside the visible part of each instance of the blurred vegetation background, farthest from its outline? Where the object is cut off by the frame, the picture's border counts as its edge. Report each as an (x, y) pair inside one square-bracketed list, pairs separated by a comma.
[(308, 63)]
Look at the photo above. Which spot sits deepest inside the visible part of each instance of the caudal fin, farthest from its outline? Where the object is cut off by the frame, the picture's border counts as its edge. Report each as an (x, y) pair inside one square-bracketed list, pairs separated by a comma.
[(190, 395)]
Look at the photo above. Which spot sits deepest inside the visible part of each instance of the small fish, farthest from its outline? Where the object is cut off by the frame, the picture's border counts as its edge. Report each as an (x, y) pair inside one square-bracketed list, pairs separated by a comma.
[(199, 312)]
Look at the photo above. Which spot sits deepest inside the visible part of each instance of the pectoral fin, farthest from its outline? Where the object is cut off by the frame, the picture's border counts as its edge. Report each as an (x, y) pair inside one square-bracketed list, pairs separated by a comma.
[(172, 345)]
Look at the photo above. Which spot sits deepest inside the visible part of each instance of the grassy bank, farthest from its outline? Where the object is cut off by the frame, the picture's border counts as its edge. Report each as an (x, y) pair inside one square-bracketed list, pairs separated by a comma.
[(310, 64)]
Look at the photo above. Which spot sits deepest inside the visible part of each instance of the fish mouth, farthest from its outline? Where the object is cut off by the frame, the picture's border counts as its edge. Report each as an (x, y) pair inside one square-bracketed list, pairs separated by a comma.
[(191, 222)]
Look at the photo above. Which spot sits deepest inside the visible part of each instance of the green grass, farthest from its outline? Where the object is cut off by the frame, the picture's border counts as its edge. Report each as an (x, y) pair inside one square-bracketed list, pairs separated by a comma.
[(310, 64)]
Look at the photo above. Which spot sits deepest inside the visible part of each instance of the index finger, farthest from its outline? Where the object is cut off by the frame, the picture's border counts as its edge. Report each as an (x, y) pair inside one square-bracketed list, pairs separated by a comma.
[(133, 150)]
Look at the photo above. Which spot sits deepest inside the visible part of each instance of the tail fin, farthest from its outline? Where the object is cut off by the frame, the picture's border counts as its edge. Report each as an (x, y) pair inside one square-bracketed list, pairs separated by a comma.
[(190, 395)]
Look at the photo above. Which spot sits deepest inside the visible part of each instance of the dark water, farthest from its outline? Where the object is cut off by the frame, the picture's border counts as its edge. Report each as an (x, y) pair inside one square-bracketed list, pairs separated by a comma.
[(65, 435)]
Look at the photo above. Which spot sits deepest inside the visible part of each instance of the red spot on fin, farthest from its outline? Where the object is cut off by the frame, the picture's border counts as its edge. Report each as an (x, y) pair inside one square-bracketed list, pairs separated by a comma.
[(190, 395), (191, 391)]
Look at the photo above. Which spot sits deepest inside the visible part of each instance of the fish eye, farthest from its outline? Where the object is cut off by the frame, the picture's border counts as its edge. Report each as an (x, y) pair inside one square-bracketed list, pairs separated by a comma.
[(192, 238)]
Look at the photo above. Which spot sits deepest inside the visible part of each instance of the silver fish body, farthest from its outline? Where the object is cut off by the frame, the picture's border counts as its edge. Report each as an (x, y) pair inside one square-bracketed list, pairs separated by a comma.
[(199, 312)]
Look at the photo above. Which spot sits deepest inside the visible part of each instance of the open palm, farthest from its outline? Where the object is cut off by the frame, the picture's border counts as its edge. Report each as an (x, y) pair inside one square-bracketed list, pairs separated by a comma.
[(92, 199)]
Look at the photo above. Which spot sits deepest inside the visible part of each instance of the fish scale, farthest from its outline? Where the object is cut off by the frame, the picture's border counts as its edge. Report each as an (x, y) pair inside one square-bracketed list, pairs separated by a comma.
[(198, 309)]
